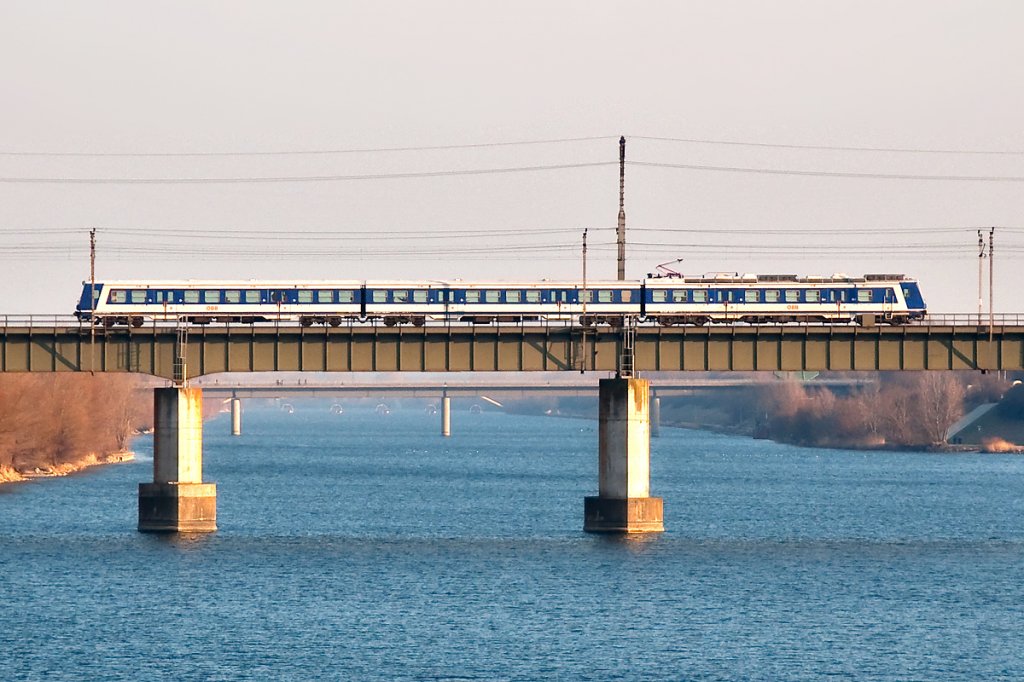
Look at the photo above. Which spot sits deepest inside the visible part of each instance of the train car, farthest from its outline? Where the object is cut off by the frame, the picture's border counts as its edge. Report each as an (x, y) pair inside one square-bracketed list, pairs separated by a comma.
[(718, 298), (758, 299), (204, 301)]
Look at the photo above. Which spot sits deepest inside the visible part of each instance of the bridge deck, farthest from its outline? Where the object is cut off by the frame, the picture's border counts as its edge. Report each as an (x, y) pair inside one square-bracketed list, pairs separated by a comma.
[(254, 348)]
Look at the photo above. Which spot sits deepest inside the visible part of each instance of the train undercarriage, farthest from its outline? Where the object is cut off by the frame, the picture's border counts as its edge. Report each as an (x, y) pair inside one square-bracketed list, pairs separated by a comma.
[(613, 321)]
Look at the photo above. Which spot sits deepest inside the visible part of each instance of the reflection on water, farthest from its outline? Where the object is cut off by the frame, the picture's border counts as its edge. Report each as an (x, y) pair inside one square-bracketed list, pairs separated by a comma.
[(364, 547)]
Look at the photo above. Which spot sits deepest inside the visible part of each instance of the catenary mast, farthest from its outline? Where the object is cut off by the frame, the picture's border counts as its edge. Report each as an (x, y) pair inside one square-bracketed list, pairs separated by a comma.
[(621, 231)]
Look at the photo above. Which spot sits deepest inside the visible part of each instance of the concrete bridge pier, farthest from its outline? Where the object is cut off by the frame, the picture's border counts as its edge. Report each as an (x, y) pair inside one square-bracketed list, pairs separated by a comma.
[(177, 500), (236, 416), (446, 416), (623, 503), (655, 416)]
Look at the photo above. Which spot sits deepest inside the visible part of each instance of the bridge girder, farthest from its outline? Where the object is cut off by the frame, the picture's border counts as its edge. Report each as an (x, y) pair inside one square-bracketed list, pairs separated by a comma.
[(521, 349)]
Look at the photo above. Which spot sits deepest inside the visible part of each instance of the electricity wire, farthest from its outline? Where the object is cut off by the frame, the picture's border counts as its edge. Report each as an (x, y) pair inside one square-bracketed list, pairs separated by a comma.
[(309, 152), (297, 178), (829, 174), (841, 148)]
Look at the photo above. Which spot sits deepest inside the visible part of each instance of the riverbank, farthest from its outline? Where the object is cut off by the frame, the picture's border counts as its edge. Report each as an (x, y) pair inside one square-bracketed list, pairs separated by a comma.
[(10, 475)]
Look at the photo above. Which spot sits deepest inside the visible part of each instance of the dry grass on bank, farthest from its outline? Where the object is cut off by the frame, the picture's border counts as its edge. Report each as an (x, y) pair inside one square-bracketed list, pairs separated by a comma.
[(59, 422)]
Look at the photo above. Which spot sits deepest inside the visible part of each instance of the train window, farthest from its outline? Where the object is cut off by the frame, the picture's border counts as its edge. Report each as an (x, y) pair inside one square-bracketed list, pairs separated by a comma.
[(533, 297), (792, 295), (252, 296), (700, 296), (679, 295), (604, 296), (864, 295), (344, 296), (325, 296), (659, 296), (211, 296), (191, 296), (118, 296), (492, 296), (513, 296), (586, 295), (752, 295), (137, 295), (232, 296), (278, 296), (771, 296), (400, 296), (419, 296), (472, 296), (627, 295), (379, 296), (812, 295), (305, 296)]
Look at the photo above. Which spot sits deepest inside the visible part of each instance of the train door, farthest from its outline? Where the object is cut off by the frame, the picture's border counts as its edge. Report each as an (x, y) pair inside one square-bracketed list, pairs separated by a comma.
[(888, 302), (560, 297), (164, 299), (279, 297), (446, 297)]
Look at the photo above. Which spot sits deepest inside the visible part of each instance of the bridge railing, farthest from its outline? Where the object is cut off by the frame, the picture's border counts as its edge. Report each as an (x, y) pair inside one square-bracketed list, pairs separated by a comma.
[(970, 320), (41, 321)]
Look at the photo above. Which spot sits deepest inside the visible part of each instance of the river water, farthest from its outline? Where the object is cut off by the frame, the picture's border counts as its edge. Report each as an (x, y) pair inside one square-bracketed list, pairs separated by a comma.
[(367, 547)]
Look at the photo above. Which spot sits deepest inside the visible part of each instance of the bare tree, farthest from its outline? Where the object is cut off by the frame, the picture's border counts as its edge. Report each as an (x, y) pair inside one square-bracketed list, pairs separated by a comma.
[(941, 403)]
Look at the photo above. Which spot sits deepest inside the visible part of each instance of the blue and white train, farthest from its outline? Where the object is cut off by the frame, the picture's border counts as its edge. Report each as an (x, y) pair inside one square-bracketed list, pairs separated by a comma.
[(717, 298)]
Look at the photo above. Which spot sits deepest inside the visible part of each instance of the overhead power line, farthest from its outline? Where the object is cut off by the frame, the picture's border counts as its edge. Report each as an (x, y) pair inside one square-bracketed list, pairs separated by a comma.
[(511, 143), (831, 174), (493, 171), (297, 178), (309, 152), (431, 232), (822, 147)]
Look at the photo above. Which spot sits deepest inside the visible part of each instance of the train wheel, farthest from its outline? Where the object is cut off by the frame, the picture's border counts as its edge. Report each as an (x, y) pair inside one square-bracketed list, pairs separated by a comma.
[(137, 322)]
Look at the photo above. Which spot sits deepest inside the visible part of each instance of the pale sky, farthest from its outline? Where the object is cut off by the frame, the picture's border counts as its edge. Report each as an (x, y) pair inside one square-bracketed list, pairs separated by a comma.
[(178, 77)]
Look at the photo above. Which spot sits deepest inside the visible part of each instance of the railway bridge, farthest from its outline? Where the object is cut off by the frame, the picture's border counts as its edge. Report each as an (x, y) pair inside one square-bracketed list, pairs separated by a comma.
[(178, 500)]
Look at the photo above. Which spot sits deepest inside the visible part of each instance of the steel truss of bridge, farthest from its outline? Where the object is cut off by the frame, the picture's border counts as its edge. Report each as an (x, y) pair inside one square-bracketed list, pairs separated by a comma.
[(161, 350)]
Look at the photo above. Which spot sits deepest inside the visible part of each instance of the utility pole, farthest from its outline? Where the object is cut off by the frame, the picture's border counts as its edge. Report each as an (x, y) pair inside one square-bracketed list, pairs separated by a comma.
[(991, 280), (92, 301), (583, 294), (583, 315), (621, 232), (981, 258)]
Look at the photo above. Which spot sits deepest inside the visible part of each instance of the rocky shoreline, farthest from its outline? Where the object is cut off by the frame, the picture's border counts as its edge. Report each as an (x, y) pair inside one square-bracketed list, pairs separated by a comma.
[(9, 475)]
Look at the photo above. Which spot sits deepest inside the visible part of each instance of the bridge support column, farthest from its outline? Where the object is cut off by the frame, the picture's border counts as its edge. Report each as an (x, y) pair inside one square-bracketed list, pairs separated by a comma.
[(623, 503), (655, 416), (177, 500), (446, 416), (236, 416)]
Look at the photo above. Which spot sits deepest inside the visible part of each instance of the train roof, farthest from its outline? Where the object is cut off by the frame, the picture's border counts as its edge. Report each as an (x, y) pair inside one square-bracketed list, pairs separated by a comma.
[(708, 278), (747, 278)]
